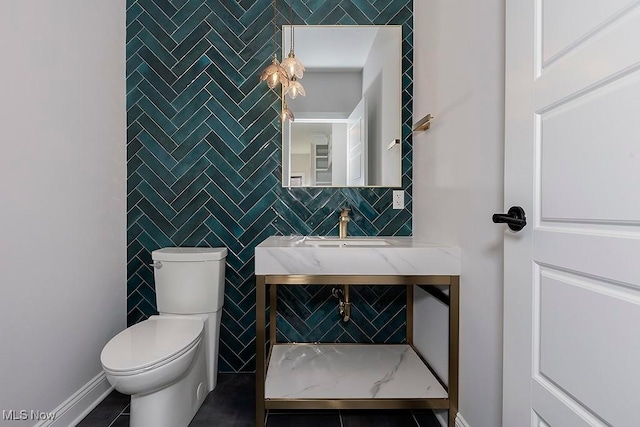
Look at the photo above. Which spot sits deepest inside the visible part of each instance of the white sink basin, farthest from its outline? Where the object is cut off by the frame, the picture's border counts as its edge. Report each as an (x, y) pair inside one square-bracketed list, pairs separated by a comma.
[(337, 242), (376, 255)]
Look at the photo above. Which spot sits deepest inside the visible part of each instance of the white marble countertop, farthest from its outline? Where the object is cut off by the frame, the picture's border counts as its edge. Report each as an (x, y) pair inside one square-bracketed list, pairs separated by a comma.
[(349, 371), (285, 255)]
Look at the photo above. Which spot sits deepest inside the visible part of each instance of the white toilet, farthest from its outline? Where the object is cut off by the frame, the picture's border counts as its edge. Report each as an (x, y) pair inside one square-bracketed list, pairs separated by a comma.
[(169, 363)]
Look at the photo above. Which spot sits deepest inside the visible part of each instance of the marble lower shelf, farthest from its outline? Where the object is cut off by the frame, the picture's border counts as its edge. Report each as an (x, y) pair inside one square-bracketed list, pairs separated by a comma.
[(349, 371)]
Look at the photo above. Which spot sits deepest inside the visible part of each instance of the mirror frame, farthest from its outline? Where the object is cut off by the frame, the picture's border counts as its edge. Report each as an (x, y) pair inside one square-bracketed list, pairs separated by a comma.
[(402, 88)]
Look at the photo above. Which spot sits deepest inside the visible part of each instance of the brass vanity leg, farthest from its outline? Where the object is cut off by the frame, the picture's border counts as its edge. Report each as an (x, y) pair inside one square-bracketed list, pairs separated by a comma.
[(273, 312), (410, 315), (454, 337), (260, 344)]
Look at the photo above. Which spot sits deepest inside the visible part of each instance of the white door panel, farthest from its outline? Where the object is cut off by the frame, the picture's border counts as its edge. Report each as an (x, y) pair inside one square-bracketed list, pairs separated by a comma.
[(555, 408), (608, 55), (582, 346), (614, 256), (357, 146), (572, 161), (561, 31), (596, 129), (355, 169)]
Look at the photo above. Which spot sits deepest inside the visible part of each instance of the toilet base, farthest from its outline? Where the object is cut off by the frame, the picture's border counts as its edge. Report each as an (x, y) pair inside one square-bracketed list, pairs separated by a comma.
[(175, 405)]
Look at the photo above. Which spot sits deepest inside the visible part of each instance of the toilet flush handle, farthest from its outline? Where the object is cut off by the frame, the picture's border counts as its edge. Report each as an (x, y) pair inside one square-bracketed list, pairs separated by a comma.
[(156, 264)]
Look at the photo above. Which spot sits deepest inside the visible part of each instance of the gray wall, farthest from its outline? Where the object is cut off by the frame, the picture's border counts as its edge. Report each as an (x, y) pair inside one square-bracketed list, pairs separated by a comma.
[(62, 169), (458, 182), (381, 82), (328, 92)]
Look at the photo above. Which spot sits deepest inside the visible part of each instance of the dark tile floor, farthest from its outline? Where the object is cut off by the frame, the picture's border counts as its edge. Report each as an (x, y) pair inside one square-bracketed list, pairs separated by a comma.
[(232, 403)]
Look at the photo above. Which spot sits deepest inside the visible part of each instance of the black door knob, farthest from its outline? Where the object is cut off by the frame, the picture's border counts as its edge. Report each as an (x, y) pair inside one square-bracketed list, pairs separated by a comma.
[(514, 218)]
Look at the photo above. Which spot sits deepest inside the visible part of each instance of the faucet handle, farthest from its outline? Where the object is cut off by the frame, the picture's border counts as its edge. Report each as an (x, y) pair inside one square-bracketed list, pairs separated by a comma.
[(343, 222)]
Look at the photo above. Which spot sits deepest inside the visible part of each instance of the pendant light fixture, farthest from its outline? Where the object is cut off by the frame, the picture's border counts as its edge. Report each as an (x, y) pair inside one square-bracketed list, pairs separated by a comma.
[(292, 64), (294, 67), (295, 88), (274, 73), (287, 114)]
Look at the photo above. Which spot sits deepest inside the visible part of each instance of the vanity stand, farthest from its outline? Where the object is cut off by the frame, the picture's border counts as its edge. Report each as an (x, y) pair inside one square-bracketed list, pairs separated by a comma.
[(403, 380)]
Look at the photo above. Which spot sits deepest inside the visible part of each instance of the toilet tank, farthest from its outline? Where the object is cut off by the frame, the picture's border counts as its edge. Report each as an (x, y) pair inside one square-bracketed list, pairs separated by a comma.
[(189, 280)]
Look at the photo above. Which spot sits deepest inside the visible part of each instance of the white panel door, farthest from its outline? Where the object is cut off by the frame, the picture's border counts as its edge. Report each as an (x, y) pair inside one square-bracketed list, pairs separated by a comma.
[(572, 154), (357, 146)]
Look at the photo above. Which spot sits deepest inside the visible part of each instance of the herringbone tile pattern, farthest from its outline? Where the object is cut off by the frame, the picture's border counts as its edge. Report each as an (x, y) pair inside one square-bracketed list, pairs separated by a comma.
[(204, 162), (310, 314)]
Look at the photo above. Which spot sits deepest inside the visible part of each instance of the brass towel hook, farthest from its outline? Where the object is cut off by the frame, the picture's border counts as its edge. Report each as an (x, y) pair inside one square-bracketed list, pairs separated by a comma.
[(423, 124)]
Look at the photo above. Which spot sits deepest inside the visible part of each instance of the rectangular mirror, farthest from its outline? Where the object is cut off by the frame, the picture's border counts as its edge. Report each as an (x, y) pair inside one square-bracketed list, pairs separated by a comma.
[(347, 130)]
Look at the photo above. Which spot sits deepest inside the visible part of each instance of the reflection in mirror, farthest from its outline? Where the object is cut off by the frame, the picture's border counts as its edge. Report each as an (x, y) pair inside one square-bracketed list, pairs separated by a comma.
[(351, 114)]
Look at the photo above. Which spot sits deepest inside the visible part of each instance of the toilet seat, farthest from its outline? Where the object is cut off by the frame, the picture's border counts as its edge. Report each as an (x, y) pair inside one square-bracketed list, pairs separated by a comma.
[(150, 344)]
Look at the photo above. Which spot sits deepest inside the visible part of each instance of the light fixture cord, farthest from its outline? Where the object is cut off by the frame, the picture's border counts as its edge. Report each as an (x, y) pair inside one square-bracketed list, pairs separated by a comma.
[(275, 28), (291, 22)]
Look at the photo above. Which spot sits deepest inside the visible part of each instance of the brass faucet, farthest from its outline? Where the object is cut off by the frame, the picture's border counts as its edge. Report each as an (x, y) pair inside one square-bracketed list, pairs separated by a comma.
[(344, 222)]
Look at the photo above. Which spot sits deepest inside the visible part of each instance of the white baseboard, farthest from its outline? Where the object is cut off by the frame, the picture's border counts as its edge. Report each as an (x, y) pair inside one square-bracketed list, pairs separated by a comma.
[(76, 407), (460, 422)]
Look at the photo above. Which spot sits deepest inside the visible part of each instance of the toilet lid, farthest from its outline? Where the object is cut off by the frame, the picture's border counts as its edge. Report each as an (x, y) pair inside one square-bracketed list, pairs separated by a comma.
[(150, 342), (189, 254)]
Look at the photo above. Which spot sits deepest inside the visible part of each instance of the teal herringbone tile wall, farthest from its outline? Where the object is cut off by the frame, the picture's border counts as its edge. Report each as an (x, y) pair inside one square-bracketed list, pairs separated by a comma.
[(204, 163)]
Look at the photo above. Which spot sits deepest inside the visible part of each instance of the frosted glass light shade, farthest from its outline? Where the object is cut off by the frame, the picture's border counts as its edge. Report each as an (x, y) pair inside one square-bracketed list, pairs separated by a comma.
[(295, 88), (275, 74), (293, 66), (287, 114)]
